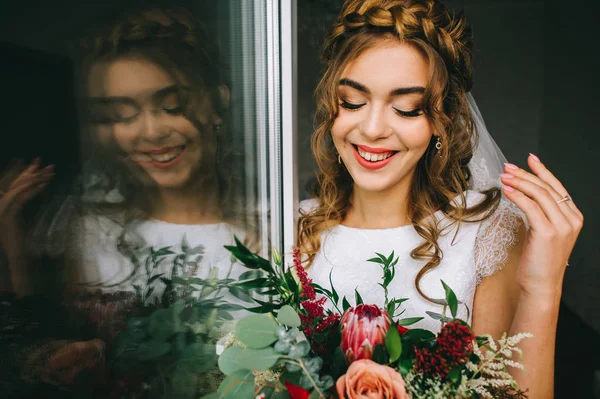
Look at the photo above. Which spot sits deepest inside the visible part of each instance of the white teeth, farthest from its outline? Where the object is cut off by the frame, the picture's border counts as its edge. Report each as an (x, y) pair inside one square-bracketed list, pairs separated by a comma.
[(167, 156), (372, 157)]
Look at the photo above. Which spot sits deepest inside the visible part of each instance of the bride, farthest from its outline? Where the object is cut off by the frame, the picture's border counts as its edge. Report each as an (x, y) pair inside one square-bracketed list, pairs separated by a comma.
[(405, 164)]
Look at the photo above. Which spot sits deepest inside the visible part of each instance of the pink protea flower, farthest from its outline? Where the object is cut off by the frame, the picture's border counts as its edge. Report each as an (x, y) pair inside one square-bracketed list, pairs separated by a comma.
[(363, 327)]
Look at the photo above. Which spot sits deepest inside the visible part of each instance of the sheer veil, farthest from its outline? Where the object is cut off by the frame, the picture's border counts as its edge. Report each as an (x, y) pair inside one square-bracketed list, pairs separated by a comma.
[(488, 160)]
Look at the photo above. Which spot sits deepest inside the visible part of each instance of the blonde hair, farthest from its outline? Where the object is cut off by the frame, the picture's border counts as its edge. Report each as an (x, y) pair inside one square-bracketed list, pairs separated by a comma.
[(445, 40)]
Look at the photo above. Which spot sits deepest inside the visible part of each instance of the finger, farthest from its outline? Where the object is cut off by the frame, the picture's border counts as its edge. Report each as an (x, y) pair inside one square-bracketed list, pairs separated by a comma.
[(541, 196), (540, 169), (10, 173), (13, 200), (535, 216), (516, 171), (28, 172)]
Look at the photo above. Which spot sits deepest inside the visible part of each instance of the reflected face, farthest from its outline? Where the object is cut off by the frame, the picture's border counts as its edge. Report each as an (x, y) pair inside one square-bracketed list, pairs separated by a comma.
[(381, 131), (144, 121)]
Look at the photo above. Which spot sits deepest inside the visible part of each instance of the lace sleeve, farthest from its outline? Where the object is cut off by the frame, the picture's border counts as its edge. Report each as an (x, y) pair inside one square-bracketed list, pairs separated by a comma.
[(496, 236)]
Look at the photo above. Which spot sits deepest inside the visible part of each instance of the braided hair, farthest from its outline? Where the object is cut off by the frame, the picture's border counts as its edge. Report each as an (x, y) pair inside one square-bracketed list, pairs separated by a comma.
[(445, 39)]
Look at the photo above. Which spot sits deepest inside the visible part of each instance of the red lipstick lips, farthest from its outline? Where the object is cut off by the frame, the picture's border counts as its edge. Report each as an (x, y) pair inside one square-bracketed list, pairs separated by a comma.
[(373, 165)]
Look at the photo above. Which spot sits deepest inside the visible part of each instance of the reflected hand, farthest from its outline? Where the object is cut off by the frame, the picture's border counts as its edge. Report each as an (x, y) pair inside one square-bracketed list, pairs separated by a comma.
[(19, 185), (555, 226), (65, 366)]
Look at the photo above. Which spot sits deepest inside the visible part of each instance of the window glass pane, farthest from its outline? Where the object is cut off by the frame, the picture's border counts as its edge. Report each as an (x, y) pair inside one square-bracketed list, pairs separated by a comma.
[(139, 141)]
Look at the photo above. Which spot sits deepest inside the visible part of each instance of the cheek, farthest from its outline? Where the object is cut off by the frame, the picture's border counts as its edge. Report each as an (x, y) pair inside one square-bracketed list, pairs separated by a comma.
[(417, 135), (124, 137)]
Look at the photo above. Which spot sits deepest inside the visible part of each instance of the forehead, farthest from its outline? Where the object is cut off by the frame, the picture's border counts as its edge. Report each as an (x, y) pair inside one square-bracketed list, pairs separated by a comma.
[(133, 78), (388, 65)]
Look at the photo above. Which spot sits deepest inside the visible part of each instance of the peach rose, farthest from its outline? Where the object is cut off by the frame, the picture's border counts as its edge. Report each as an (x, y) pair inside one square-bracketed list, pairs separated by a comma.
[(370, 380)]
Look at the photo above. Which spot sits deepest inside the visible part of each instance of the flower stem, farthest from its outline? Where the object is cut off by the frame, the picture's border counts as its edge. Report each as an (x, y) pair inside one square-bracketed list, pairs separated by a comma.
[(300, 363)]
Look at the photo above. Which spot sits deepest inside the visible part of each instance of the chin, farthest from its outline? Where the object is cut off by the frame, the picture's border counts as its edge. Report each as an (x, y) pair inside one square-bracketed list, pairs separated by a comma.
[(170, 180)]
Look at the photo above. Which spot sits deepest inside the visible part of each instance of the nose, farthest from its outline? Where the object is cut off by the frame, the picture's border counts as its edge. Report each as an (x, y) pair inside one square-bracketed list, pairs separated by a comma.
[(152, 126), (374, 126)]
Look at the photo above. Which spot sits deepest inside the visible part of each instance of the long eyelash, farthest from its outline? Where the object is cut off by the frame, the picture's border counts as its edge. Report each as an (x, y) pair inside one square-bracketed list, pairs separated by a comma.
[(174, 111), (409, 114), (350, 106)]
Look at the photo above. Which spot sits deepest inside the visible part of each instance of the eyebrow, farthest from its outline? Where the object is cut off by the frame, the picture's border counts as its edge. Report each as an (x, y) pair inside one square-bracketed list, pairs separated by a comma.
[(159, 94), (396, 92)]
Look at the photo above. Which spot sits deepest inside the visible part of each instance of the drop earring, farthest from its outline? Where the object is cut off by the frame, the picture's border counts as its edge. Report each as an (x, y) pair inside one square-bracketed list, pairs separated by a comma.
[(438, 146), (339, 159)]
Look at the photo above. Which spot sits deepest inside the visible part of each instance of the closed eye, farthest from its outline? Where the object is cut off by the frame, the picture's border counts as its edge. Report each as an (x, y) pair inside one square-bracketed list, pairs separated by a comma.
[(174, 110), (351, 106), (409, 114)]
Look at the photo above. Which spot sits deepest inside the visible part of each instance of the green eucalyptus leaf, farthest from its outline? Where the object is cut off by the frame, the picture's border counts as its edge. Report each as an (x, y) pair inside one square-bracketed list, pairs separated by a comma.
[(163, 324), (451, 298), (313, 365), (258, 359), (152, 349), (299, 350), (288, 316), (256, 331), (213, 395), (183, 385), (393, 344), (409, 321), (228, 361), (199, 357), (281, 395), (440, 317), (292, 366), (237, 384)]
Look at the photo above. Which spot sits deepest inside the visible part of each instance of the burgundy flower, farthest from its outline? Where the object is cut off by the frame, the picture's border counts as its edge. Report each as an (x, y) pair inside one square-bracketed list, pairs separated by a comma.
[(363, 327)]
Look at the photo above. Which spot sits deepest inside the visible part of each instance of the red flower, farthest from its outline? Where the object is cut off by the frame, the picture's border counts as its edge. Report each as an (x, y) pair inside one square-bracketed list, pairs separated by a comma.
[(402, 330), (296, 392), (455, 342), (363, 327), (431, 364), (308, 291)]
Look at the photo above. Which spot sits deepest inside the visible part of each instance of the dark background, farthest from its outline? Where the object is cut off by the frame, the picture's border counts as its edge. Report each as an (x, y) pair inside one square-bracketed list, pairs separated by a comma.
[(536, 82)]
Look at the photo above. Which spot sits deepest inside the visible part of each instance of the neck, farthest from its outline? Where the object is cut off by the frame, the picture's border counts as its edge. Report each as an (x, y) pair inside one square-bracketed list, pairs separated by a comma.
[(182, 206), (379, 209)]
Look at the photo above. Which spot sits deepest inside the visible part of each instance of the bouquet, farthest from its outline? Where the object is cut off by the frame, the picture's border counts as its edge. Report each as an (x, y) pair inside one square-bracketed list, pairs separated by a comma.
[(296, 347), (166, 347)]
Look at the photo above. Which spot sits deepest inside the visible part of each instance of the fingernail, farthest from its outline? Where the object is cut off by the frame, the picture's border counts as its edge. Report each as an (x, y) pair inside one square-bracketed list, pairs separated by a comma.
[(506, 176), (508, 189), (535, 158), (511, 166)]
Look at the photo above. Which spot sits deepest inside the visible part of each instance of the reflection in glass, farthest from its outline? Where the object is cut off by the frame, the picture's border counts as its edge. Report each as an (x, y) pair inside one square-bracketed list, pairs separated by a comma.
[(141, 281)]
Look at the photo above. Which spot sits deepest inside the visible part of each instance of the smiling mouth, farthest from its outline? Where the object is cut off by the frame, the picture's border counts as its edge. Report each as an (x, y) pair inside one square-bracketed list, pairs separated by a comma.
[(164, 155), (374, 156)]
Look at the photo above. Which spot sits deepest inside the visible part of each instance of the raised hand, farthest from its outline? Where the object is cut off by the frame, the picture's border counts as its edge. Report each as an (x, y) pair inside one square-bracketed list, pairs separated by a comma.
[(18, 185), (555, 223)]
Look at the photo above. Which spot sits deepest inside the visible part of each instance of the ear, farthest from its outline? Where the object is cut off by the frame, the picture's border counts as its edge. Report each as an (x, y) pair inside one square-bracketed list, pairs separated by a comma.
[(224, 95)]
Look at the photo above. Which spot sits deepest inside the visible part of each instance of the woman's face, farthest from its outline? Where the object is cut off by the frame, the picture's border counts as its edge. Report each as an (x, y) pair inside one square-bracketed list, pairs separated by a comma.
[(144, 121), (381, 131)]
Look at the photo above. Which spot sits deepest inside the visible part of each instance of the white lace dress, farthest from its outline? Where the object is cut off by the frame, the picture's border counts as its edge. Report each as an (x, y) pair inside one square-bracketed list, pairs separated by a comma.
[(478, 251)]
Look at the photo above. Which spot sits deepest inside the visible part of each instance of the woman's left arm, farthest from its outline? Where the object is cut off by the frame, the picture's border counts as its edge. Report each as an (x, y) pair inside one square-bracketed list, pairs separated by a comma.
[(539, 270)]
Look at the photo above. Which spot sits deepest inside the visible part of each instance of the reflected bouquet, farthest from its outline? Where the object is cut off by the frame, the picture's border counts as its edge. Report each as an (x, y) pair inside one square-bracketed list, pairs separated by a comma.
[(296, 347)]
